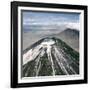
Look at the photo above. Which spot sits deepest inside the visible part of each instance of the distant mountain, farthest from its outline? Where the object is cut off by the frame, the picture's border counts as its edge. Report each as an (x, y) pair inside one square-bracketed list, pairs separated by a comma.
[(71, 37), (50, 57)]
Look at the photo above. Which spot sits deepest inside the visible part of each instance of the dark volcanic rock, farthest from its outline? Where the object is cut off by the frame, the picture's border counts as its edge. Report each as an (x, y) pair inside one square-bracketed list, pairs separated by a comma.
[(50, 57)]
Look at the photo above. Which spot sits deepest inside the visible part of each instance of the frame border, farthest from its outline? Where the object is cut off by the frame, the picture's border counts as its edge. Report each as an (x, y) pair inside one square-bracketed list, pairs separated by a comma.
[(14, 44)]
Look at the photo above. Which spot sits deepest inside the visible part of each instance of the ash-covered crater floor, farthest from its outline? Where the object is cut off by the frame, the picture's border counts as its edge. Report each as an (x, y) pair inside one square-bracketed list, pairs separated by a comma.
[(50, 57)]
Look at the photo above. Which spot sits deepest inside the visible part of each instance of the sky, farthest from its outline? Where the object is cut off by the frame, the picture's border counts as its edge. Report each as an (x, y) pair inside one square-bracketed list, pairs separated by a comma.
[(49, 18), (61, 19), (38, 25)]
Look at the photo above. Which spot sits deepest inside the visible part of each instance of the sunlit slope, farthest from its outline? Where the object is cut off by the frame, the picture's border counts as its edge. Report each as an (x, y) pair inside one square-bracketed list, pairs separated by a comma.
[(71, 37), (50, 57)]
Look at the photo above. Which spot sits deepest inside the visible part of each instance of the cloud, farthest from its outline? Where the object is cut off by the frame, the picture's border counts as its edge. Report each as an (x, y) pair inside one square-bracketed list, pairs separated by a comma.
[(49, 18), (53, 29), (73, 25)]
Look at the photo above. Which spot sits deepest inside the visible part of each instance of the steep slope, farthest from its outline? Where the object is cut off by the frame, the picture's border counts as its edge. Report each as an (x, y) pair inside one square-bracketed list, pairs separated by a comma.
[(71, 37), (50, 57)]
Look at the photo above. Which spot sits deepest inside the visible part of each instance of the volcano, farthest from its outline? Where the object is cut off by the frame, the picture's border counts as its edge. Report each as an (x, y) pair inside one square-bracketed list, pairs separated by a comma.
[(50, 56)]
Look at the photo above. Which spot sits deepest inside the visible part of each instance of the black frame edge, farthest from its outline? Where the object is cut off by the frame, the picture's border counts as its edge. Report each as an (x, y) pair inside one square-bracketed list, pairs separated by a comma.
[(86, 44), (51, 5), (14, 46)]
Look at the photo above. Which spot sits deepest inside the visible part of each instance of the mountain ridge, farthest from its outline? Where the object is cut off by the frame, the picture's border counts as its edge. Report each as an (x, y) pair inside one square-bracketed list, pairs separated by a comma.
[(70, 36)]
